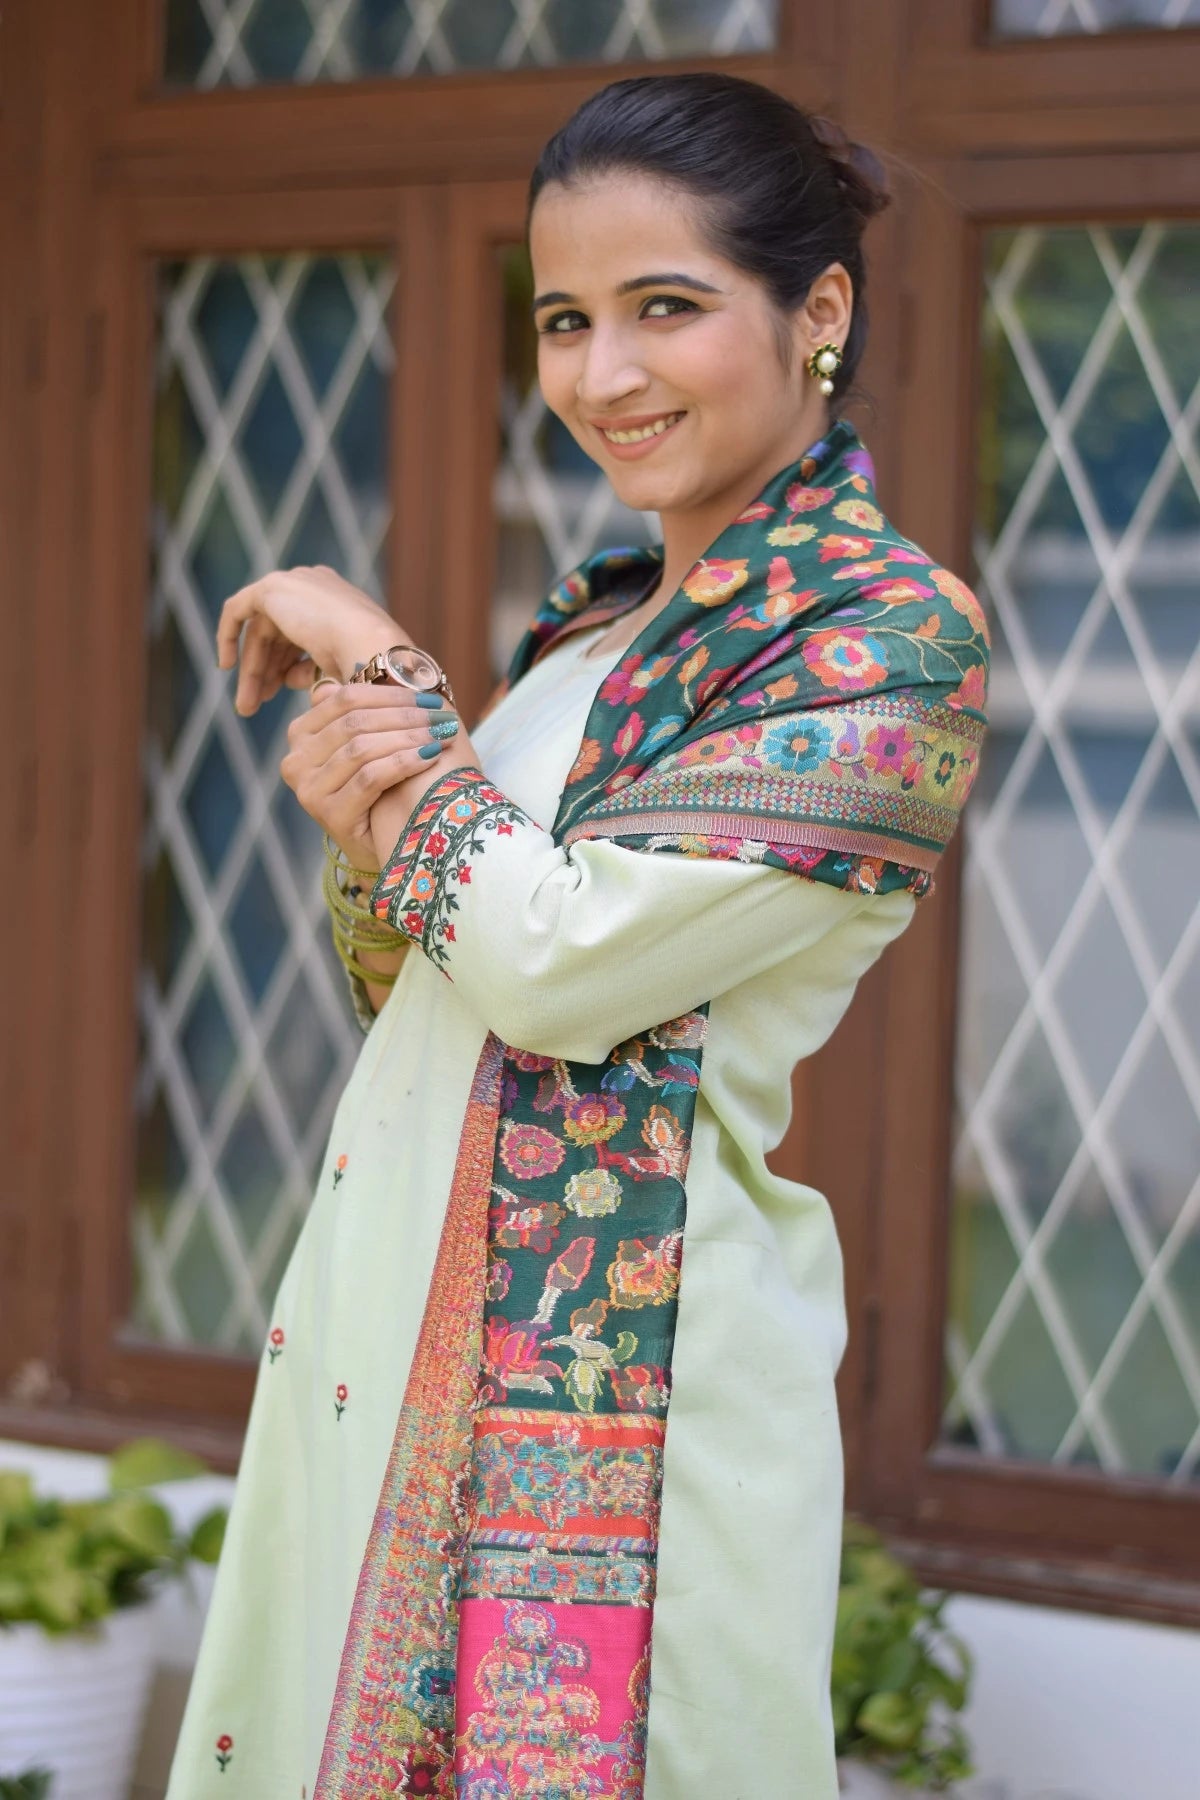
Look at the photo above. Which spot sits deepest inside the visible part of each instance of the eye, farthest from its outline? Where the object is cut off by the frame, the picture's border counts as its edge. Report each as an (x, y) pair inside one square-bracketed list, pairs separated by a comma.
[(673, 302), (560, 324)]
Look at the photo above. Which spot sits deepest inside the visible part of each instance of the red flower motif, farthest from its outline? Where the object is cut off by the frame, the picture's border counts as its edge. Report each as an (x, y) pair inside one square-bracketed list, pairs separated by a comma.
[(435, 843), (971, 690), (641, 1387), (512, 1357), (628, 735), (414, 924), (339, 1168), (529, 1149), (342, 1393), (225, 1742), (275, 1345), (464, 874)]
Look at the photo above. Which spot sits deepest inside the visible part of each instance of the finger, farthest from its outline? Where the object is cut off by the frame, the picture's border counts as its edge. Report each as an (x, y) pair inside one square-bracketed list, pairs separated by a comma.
[(416, 748), (237, 609), (257, 643), (332, 722), (303, 675), (285, 658)]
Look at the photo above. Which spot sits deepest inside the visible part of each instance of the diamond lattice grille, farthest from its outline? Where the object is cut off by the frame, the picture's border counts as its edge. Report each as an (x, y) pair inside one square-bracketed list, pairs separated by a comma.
[(272, 380), (1066, 18), (213, 43), (1074, 1329), (553, 506)]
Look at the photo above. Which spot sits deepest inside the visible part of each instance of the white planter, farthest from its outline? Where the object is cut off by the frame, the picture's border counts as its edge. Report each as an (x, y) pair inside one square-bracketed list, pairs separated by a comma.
[(76, 1704)]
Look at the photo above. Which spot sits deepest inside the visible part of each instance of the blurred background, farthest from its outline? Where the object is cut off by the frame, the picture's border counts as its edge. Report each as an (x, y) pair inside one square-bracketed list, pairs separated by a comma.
[(265, 301)]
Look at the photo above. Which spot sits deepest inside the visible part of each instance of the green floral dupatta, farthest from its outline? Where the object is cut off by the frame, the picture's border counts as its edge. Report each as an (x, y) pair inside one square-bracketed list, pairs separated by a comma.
[(811, 698)]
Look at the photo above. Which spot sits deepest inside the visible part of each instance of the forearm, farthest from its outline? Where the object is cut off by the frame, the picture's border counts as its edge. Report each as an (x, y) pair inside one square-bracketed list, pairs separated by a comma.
[(392, 811)]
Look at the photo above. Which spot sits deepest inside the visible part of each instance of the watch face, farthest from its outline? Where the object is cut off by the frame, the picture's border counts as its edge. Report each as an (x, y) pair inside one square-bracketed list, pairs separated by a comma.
[(413, 668)]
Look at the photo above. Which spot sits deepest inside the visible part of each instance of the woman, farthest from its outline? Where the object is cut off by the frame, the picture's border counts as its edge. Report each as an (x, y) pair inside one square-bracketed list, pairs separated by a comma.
[(711, 794)]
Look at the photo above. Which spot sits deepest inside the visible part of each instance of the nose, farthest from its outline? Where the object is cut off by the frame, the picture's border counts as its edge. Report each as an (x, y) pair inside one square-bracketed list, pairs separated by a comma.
[(610, 373)]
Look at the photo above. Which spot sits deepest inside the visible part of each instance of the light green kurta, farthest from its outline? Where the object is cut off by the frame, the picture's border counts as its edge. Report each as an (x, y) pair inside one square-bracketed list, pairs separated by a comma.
[(569, 953)]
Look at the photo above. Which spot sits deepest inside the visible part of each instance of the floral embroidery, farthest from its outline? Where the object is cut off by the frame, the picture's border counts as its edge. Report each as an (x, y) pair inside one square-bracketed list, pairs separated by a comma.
[(275, 1343), (339, 1168), (529, 1150), (341, 1395), (641, 1387), (416, 891), (846, 658), (224, 1751), (593, 1193), (715, 580), (645, 1271), (593, 1119), (499, 1278)]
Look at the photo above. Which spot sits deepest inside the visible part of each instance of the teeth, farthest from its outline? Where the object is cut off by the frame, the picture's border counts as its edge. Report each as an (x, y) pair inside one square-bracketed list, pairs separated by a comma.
[(644, 432)]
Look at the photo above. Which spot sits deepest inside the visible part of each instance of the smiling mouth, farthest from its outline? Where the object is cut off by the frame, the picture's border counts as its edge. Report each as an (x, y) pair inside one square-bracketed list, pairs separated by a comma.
[(642, 432)]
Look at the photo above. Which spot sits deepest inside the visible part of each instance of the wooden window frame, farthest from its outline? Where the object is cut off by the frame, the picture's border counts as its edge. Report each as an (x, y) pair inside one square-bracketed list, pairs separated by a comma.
[(98, 179)]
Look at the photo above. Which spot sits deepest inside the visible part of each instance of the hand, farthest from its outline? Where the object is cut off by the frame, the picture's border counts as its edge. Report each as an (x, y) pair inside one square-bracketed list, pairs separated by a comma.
[(293, 619), (352, 746)]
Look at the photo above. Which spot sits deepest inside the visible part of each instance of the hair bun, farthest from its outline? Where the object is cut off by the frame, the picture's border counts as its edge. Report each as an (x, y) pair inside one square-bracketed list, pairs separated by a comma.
[(856, 169)]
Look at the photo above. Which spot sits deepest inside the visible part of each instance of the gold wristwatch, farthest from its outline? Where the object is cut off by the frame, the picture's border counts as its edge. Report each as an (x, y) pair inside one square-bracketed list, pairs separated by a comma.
[(407, 667)]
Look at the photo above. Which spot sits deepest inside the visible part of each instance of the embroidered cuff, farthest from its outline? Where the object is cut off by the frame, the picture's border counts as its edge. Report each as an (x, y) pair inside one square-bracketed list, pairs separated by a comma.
[(418, 887)]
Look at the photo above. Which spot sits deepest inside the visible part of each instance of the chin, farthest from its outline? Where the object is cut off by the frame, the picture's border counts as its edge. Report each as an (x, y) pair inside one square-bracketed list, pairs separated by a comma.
[(648, 490)]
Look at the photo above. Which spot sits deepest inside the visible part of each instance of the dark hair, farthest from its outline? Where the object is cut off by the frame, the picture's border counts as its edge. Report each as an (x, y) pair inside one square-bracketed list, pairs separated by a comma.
[(786, 193)]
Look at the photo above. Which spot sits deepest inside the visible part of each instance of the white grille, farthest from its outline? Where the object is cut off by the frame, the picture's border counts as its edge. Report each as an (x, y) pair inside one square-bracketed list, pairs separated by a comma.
[(1063, 18), (241, 42), (1074, 1329), (272, 377)]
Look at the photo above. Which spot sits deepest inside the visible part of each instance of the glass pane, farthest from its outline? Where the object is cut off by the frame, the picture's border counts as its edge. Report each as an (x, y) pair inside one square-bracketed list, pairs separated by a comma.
[(1074, 1319), (215, 43), (1066, 18), (269, 450), (553, 506)]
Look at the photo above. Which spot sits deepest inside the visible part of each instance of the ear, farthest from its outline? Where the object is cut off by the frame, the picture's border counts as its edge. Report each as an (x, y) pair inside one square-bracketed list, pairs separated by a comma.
[(826, 313)]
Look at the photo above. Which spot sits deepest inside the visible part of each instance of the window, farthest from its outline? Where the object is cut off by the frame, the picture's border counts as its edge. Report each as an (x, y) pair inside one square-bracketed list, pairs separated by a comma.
[(1066, 18), (269, 449), (1074, 1308), (210, 43)]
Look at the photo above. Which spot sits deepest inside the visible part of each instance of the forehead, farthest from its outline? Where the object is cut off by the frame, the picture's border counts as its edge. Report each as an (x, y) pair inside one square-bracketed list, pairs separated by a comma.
[(608, 229)]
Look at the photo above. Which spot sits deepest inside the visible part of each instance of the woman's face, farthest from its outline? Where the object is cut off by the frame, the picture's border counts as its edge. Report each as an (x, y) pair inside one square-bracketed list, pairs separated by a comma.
[(663, 360)]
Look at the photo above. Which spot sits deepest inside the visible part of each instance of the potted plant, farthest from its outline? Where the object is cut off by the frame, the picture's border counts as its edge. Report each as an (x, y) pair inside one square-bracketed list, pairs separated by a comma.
[(76, 1633), (900, 1678)]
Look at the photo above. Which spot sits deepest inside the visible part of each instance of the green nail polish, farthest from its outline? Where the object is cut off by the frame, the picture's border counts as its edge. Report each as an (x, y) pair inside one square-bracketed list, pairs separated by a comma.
[(428, 750), (444, 728)]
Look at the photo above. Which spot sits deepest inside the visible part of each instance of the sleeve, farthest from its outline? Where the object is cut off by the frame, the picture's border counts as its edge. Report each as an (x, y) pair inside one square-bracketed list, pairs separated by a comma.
[(567, 953)]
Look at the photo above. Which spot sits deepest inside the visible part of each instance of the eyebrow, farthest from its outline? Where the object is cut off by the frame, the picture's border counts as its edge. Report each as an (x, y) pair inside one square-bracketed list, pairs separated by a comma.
[(670, 279)]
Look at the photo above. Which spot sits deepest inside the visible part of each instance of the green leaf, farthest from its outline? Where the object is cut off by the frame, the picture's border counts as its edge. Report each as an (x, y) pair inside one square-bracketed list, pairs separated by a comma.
[(209, 1535), (144, 1462), (584, 1382), (140, 1523), (898, 1667), (34, 1784), (892, 1719), (624, 1347), (16, 1493)]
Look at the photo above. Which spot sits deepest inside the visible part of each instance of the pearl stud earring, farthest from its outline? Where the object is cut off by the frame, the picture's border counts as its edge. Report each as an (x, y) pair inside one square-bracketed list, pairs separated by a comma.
[(823, 364)]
